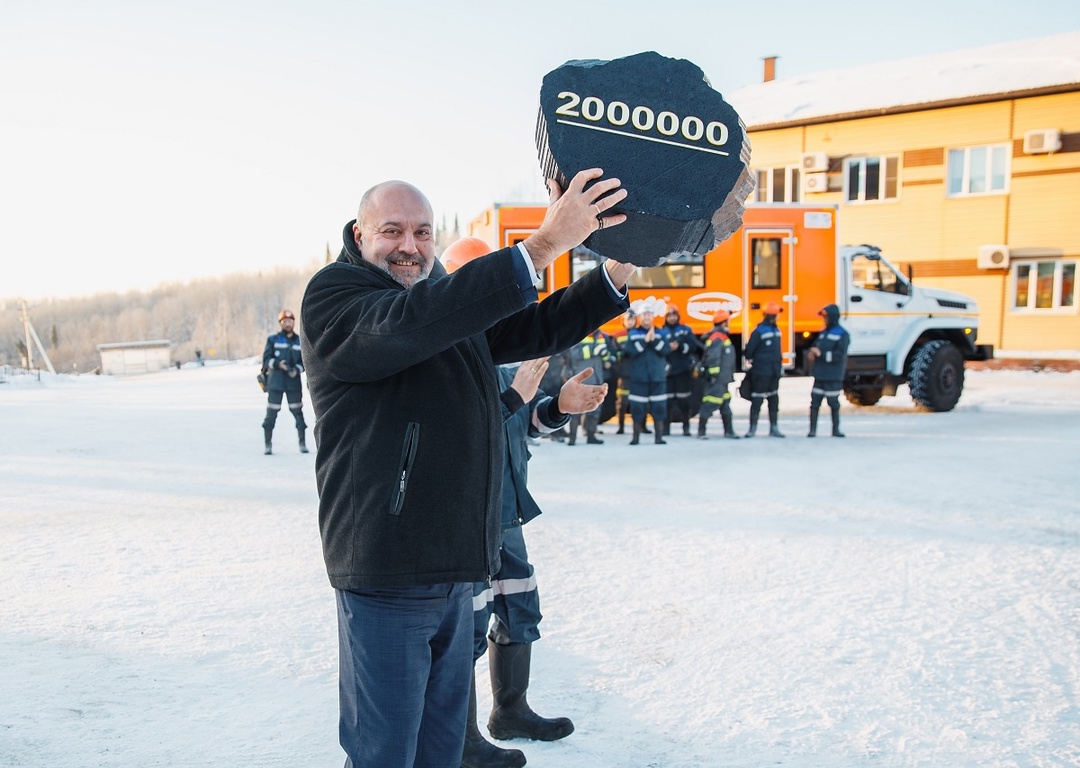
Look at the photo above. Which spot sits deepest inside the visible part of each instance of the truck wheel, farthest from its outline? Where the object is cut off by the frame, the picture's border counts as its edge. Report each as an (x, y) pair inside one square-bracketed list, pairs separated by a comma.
[(861, 395), (937, 376)]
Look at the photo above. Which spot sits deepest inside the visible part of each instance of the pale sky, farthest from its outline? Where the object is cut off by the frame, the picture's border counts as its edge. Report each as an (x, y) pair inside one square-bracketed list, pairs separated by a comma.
[(147, 142)]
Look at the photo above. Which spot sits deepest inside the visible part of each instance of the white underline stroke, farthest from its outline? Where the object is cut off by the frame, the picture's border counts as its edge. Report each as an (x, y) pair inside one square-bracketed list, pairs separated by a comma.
[(644, 138)]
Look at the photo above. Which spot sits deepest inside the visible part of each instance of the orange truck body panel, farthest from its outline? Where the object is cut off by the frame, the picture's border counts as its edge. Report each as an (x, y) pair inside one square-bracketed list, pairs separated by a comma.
[(782, 253)]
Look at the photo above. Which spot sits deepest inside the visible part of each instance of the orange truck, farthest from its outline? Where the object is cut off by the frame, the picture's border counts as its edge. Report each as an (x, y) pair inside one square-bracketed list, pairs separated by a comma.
[(900, 332)]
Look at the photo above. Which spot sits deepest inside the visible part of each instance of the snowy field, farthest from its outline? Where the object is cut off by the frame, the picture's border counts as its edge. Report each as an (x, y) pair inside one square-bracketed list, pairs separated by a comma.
[(908, 596)]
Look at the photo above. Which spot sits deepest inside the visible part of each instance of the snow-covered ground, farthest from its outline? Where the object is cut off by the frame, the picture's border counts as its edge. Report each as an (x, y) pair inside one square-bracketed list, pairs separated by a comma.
[(908, 596)]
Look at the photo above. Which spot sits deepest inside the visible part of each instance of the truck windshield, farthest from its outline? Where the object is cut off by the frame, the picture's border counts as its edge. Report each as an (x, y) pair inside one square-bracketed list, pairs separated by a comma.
[(877, 275)]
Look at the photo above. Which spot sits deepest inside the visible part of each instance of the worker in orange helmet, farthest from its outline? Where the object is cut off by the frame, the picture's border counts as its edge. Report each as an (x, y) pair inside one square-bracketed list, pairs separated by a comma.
[(763, 357), (506, 609), (281, 368), (719, 362)]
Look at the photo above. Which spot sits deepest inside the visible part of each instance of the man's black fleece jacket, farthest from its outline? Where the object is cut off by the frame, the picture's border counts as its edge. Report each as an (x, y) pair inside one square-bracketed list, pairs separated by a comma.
[(409, 427)]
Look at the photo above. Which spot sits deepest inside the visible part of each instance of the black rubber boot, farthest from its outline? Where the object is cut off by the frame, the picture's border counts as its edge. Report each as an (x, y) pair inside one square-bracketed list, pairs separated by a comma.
[(774, 430), (813, 423), (592, 439), (729, 428), (701, 427), (481, 753), (753, 424), (836, 424), (637, 434), (511, 717), (686, 428), (658, 437), (267, 434), (303, 440)]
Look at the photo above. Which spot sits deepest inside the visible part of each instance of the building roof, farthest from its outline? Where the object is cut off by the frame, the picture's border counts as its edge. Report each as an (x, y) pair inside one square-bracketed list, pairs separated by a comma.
[(1045, 64), (135, 344)]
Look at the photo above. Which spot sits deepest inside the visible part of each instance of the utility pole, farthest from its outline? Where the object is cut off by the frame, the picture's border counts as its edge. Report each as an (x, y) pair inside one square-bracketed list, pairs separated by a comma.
[(31, 334)]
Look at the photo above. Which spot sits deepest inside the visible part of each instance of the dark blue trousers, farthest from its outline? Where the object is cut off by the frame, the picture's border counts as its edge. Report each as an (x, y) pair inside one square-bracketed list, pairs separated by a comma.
[(405, 675)]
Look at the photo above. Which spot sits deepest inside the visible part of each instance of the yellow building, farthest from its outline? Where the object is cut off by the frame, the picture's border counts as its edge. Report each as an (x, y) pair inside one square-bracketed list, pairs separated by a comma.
[(965, 166)]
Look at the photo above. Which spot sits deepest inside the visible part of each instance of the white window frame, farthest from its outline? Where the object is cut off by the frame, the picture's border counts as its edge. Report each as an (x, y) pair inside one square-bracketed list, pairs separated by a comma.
[(792, 184), (1033, 278), (965, 178), (860, 195)]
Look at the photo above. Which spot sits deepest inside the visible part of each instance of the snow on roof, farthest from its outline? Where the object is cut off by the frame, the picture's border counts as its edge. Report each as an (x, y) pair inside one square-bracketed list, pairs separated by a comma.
[(996, 69), (135, 344)]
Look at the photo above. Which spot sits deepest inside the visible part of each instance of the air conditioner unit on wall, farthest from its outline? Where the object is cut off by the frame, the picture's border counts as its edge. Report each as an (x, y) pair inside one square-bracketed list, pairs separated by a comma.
[(1042, 141), (815, 182), (815, 161), (993, 257)]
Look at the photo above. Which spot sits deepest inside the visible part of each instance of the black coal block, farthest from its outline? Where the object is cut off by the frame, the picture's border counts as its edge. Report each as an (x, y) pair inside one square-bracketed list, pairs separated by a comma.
[(654, 122)]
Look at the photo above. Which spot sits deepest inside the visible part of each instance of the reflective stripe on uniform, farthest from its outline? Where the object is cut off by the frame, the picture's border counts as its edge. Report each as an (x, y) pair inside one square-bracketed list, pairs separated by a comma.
[(826, 392), (513, 586), (717, 400)]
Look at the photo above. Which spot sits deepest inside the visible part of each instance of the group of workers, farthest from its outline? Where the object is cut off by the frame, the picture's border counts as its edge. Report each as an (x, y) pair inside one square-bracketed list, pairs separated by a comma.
[(653, 367)]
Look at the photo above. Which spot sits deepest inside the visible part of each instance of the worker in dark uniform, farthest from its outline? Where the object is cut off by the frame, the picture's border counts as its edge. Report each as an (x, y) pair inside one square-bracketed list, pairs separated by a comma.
[(282, 367), (622, 369), (590, 352), (647, 347), (762, 354), (719, 373), (685, 349), (829, 358)]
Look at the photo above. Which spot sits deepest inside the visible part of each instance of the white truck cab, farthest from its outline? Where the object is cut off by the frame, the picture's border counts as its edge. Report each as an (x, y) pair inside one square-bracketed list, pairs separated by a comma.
[(902, 332)]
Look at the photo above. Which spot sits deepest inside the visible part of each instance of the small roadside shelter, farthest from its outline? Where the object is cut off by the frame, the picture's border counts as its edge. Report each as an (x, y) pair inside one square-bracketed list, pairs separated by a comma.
[(125, 358)]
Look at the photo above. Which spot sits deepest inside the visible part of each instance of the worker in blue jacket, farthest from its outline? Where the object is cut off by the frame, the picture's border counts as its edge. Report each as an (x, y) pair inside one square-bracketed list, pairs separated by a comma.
[(684, 354), (648, 347), (506, 609), (282, 366), (829, 358), (763, 356)]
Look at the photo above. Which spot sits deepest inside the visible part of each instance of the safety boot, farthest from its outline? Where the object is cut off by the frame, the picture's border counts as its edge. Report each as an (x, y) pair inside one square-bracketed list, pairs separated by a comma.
[(267, 434), (813, 423), (511, 716), (774, 430), (481, 753), (753, 426), (303, 440), (701, 422), (637, 433), (729, 428), (836, 424), (658, 438)]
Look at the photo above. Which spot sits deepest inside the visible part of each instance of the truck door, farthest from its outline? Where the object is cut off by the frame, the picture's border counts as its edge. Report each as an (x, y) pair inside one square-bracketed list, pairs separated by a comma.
[(878, 299), (768, 268)]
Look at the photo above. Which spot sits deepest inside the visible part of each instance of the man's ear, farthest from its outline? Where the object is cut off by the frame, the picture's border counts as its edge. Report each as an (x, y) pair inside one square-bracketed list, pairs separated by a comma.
[(357, 238)]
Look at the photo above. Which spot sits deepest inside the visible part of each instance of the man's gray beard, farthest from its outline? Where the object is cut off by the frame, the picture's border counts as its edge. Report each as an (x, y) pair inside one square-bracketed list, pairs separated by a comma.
[(385, 267)]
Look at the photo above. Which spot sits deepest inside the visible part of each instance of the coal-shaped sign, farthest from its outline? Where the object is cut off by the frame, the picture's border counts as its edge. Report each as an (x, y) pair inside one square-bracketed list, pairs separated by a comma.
[(655, 123)]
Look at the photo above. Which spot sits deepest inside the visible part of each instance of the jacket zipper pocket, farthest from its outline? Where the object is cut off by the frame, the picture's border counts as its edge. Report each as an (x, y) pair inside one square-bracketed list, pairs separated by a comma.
[(408, 455)]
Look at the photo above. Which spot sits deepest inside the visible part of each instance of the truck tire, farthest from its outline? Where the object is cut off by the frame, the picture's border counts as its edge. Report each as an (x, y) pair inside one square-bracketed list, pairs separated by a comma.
[(937, 376), (861, 395)]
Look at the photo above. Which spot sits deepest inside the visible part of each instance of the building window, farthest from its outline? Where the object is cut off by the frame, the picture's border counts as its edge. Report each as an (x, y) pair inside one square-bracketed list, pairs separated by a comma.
[(1041, 285), (778, 185), (867, 179), (978, 170)]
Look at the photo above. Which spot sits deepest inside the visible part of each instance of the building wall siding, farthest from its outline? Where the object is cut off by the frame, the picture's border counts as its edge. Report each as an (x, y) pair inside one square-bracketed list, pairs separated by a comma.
[(939, 236)]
